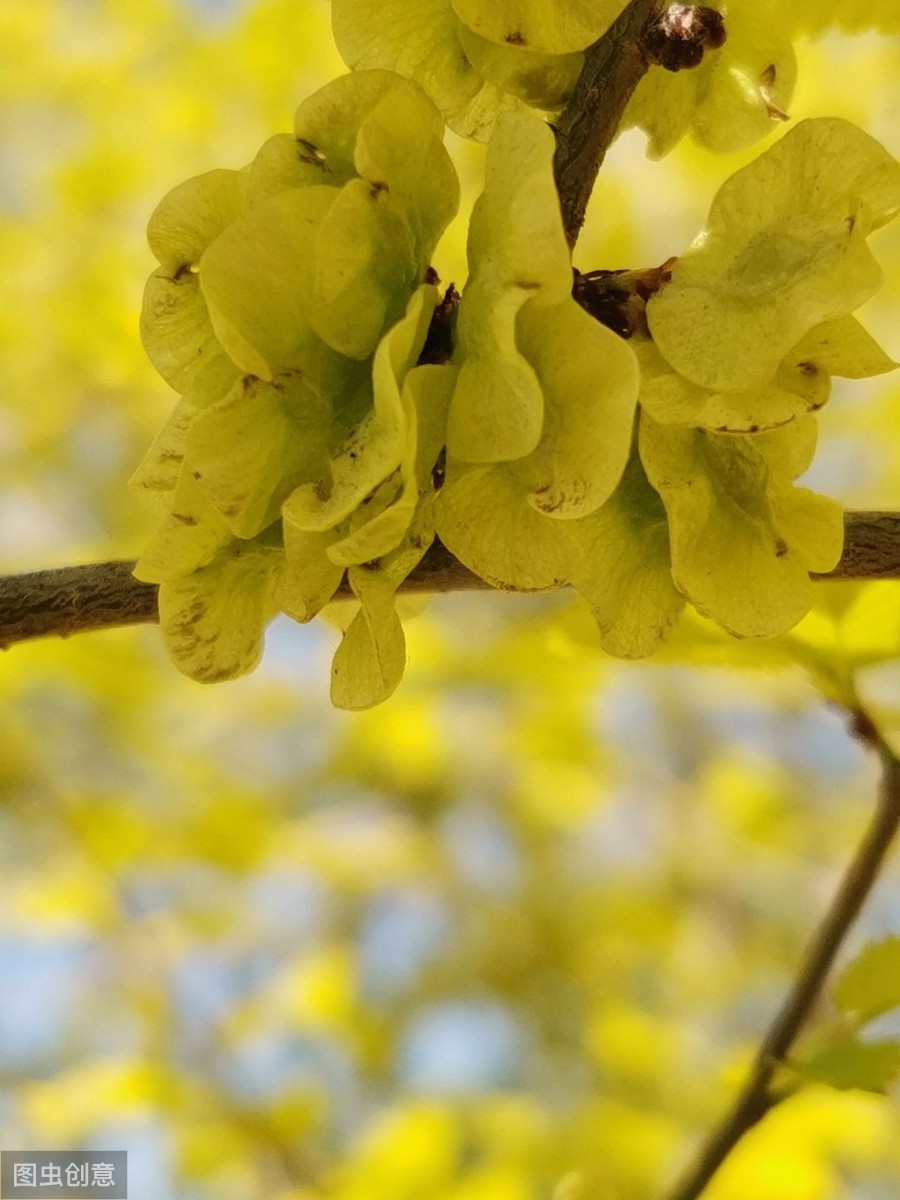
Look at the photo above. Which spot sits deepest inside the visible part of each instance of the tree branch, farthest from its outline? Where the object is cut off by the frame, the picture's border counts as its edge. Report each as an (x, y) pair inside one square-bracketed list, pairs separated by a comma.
[(871, 547), (613, 67), (64, 601), (68, 600), (756, 1098)]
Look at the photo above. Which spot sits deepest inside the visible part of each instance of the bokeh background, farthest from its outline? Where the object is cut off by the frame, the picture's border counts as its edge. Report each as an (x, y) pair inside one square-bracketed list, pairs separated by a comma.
[(512, 935)]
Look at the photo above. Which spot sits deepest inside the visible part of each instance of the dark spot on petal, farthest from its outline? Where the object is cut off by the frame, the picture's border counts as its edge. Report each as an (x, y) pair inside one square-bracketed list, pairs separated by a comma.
[(439, 470), (377, 188), (185, 518), (516, 38), (767, 91), (309, 153)]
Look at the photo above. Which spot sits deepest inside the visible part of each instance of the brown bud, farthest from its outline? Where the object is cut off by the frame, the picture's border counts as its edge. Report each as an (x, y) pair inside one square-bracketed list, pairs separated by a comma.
[(680, 37), (618, 299)]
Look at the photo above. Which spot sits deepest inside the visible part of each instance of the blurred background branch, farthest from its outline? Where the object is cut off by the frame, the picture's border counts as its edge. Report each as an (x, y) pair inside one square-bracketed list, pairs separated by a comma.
[(759, 1094)]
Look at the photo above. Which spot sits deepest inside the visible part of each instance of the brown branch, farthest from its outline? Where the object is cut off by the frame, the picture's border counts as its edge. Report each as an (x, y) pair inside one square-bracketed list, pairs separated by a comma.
[(757, 1097), (68, 600), (871, 547), (613, 67)]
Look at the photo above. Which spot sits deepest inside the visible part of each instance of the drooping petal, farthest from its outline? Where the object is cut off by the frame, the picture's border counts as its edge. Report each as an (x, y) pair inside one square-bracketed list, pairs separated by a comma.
[(214, 619), (743, 539), (589, 378), (624, 569)]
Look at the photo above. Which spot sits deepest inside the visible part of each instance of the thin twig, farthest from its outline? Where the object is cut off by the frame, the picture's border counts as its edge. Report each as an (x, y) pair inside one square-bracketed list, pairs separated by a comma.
[(68, 600), (613, 67), (756, 1097)]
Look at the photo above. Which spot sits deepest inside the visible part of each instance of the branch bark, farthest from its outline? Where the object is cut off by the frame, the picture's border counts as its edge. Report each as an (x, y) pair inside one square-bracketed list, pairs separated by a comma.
[(756, 1098), (68, 600), (613, 67)]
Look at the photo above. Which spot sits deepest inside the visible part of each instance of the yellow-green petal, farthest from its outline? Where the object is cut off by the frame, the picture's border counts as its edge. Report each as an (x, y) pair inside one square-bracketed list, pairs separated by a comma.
[(283, 162), (844, 347), (541, 81), (400, 149), (497, 412), (589, 378), (517, 252), (742, 539), (784, 250), (798, 387), (373, 449), (364, 269), (190, 535), (368, 664), (160, 469), (328, 122), (309, 578), (516, 237), (179, 338), (192, 215), (624, 569), (483, 517), (545, 26), (421, 39), (214, 619), (377, 527), (739, 94), (249, 451), (257, 278), (746, 87)]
